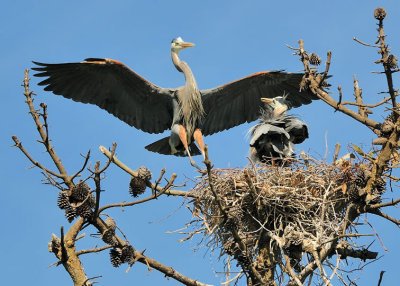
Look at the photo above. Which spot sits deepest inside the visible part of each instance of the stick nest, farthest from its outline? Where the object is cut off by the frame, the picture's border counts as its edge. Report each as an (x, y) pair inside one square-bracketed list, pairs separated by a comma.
[(276, 209)]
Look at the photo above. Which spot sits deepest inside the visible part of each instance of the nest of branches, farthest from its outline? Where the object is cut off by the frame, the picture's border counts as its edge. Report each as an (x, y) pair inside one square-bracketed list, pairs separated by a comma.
[(260, 214)]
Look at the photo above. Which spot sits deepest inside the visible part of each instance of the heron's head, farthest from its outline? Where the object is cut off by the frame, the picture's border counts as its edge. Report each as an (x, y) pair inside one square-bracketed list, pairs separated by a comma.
[(278, 104), (178, 44)]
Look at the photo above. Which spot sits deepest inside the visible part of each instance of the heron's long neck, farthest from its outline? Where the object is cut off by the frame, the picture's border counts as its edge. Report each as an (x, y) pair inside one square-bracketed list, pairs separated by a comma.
[(189, 97), (185, 69)]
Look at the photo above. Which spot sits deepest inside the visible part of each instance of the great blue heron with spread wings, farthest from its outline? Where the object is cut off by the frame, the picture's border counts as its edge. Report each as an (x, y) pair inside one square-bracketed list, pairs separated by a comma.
[(187, 111), (274, 136)]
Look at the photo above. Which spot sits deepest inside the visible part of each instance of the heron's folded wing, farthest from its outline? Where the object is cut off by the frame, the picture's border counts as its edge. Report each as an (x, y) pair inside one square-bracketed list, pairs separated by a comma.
[(297, 129), (114, 87), (239, 101), (266, 130)]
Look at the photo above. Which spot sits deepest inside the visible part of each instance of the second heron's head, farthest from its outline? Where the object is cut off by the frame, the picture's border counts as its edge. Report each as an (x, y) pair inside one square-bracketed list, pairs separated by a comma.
[(178, 44), (278, 104)]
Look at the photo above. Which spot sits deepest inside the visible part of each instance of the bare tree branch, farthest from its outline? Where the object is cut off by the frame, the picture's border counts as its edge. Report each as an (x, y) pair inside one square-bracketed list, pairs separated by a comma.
[(42, 132), (93, 250), (135, 174)]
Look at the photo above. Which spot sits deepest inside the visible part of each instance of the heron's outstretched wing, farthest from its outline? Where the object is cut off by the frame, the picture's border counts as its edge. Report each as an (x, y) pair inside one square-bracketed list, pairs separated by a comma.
[(114, 87), (239, 101)]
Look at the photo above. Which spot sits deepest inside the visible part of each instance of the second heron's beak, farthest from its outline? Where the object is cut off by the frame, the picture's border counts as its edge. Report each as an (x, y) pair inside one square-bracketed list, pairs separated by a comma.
[(186, 45), (266, 100), (278, 108)]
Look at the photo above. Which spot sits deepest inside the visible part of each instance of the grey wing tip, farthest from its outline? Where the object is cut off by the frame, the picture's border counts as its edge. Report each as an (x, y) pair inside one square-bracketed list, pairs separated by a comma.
[(39, 64), (41, 67)]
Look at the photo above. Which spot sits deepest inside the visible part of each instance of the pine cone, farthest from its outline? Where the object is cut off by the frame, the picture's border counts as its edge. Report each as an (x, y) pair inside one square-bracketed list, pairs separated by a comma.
[(381, 186), (127, 254), (242, 259), (108, 236), (62, 200), (84, 210), (314, 59), (392, 61), (111, 223), (380, 13), (137, 186), (144, 173), (80, 192), (115, 257), (70, 213)]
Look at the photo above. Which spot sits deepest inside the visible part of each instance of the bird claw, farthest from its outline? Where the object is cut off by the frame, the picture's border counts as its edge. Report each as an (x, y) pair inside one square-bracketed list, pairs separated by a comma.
[(195, 165)]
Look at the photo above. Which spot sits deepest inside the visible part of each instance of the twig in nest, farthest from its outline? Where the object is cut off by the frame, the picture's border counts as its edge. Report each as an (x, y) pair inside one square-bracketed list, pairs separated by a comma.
[(336, 155)]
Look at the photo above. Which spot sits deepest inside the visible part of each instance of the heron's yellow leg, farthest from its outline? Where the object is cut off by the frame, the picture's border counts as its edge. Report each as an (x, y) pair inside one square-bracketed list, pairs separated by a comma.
[(198, 137), (183, 138)]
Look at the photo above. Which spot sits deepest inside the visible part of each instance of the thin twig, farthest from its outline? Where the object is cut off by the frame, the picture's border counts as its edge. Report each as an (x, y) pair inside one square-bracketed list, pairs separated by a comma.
[(382, 205), (135, 174), (381, 277), (93, 250), (149, 198), (386, 216), (34, 162), (386, 99), (365, 44), (83, 167), (42, 132)]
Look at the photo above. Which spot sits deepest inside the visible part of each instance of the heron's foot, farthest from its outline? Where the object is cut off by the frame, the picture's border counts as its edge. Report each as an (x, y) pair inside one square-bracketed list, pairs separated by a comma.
[(193, 163)]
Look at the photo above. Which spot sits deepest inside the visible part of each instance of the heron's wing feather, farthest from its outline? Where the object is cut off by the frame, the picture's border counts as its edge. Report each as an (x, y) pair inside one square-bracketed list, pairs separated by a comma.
[(114, 87), (162, 147), (239, 101), (297, 129), (268, 130)]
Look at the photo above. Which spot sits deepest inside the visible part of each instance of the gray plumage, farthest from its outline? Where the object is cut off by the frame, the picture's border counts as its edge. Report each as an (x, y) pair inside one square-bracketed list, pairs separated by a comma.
[(187, 111), (274, 136)]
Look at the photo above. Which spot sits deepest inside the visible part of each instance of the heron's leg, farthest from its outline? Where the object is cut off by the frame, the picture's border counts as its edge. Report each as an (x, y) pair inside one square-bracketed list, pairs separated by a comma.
[(198, 137), (183, 137)]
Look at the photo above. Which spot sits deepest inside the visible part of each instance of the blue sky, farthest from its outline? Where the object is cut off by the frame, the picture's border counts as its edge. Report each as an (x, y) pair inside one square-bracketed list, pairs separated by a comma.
[(233, 39)]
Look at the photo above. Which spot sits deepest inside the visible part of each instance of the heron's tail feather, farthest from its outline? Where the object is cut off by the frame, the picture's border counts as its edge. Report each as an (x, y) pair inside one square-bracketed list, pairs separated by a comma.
[(162, 147)]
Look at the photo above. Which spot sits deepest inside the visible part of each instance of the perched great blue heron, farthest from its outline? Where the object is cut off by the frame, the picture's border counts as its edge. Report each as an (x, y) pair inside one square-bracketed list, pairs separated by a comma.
[(273, 138), (189, 112)]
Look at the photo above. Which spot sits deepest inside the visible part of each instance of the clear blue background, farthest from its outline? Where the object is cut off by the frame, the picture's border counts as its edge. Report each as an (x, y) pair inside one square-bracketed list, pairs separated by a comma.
[(233, 39)]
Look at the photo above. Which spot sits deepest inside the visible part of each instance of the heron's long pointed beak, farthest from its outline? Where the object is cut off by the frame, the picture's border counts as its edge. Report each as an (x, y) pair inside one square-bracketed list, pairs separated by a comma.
[(266, 100), (187, 45)]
